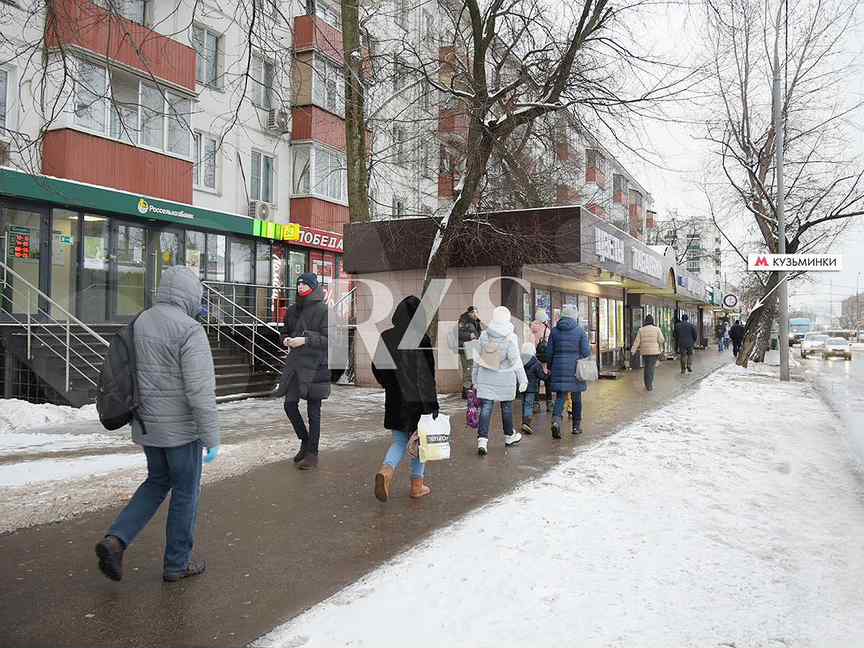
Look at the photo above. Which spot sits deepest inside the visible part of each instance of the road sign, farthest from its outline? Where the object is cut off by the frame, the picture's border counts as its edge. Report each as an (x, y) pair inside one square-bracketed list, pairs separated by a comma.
[(795, 262)]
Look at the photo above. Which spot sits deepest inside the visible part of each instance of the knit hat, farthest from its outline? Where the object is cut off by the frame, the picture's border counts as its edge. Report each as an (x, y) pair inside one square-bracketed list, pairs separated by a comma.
[(309, 278), (501, 314), (571, 311), (541, 315)]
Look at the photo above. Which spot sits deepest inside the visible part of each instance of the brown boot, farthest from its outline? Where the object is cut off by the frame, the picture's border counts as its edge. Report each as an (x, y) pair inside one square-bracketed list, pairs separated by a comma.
[(382, 482), (308, 462), (419, 489)]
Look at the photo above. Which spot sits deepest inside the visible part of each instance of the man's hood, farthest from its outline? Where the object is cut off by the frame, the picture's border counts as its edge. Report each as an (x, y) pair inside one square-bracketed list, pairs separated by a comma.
[(181, 287), (499, 329), (567, 324)]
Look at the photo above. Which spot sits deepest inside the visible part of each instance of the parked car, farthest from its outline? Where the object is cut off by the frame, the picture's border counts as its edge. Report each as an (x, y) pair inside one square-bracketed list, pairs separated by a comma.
[(812, 343), (837, 346)]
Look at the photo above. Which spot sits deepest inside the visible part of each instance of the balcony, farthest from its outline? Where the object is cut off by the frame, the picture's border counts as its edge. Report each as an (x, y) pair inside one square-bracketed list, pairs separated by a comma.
[(318, 213), (312, 33), (453, 122), (595, 176), (83, 24), (310, 123), (95, 160)]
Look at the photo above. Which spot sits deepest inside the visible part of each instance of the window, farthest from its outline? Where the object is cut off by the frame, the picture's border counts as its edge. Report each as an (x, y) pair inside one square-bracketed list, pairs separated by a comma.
[(261, 177), (262, 77), (398, 205), (403, 10), (329, 13), (4, 85), (134, 10), (428, 27), (399, 144), (328, 86), (319, 171), (425, 96), (207, 46), (122, 106), (426, 159), (399, 73), (205, 161)]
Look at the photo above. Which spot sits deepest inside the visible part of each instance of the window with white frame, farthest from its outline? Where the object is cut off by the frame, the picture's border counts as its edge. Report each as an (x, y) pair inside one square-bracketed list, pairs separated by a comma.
[(425, 161), (262, 79), (329, 12), (320, 172), (425, 96), (428, 27), (400, 73), (119, 105), (261, 177), (398, 205), (204, 157), (4, 90), (208, 46), (328, 85), (134, 10), (403, 12)]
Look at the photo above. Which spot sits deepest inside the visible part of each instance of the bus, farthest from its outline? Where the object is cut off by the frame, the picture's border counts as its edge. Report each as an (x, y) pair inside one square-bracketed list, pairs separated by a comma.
[(798, 327)]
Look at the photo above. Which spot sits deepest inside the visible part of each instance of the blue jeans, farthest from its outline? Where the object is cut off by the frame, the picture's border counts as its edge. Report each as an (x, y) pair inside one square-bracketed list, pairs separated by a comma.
[(528, 405), (168, 469), (397, 452), (561, 397), (486, 417)]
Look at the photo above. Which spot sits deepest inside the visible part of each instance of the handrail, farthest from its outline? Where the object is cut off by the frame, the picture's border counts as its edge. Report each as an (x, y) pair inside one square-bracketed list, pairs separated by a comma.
[(69, 316), (255, 318)]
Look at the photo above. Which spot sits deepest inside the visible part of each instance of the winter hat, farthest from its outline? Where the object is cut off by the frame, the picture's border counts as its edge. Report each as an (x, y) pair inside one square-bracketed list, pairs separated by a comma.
[(541, 315), (309, 278), (501, 314), (571, 311)]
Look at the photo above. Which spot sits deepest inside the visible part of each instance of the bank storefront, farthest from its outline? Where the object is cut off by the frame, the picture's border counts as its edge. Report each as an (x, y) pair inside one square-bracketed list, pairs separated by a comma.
[(99, 253)]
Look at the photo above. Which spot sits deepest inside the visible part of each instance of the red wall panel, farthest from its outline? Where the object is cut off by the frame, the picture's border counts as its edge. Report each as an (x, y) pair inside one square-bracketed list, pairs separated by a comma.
[(95, 160), (312, 33), (312, 123), (320, 214), (80, 22)]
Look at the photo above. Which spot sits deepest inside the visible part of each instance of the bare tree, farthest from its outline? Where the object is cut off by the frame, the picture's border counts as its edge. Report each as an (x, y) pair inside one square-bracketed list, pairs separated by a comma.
[(824, 189)]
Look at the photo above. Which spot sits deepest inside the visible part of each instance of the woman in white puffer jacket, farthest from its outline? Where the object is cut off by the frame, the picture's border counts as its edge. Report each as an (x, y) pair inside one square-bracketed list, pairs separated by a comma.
[(498, 371)]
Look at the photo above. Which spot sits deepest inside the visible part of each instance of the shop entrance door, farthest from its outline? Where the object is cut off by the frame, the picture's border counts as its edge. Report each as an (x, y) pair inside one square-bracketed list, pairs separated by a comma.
[(128, 271), (21, 232)]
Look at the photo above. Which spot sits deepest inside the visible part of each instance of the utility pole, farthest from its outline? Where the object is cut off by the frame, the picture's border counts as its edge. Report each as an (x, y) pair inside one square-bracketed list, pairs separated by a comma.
[(779, 128)]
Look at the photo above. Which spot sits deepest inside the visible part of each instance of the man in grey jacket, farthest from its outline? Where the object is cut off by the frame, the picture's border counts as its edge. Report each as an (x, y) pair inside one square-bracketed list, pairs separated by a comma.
[(177, 387)]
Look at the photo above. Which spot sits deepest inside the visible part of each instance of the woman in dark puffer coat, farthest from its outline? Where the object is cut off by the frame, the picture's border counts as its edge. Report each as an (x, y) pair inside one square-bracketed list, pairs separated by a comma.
[(306, 374), (408, 379), (567, 345)]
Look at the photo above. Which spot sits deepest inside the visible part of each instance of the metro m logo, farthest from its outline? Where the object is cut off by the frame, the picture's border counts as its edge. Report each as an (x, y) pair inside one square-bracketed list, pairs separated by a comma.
[(762, 262)]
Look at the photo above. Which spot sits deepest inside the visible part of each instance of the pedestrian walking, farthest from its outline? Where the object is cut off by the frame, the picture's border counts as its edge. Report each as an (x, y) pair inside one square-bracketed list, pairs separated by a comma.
[(649, 344), (536, 374), (568, 344), (306, 375), (408, 378), (174, 423), (736, 333), (498, 371), (540, 331), (686, 334), (469, 330)]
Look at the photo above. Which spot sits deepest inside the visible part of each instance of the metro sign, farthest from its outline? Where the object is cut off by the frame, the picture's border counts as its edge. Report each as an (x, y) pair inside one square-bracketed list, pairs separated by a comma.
[(795, 263)]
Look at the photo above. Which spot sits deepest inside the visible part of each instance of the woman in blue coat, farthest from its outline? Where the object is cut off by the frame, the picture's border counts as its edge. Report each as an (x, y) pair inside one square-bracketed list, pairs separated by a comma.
[(568, 344)]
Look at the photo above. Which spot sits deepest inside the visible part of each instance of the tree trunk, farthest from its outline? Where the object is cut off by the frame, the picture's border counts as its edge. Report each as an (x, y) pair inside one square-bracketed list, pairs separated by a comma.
[(757, 332), (355, 114)]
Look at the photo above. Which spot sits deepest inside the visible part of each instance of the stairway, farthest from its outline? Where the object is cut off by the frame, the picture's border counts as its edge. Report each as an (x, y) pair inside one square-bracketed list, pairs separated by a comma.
[(235, 378)]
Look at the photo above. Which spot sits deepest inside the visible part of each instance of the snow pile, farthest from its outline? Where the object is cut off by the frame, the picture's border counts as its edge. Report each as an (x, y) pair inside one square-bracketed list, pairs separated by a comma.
[(730, 517), (31, 472), (20, 415)]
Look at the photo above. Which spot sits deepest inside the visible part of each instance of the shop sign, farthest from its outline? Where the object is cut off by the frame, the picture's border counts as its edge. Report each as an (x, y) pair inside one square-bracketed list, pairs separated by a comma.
[(800, 262), (146, 207), (647, 263), (608, 247), (295, 233)]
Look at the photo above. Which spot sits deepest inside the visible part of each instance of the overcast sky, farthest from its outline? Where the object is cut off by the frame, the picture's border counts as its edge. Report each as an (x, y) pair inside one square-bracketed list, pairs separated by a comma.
[(673, 178)]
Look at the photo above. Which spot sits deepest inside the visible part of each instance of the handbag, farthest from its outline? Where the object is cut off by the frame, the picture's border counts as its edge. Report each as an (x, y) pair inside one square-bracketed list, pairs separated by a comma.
[(586, 370), (542, 351), (434, 436), (472, 416)]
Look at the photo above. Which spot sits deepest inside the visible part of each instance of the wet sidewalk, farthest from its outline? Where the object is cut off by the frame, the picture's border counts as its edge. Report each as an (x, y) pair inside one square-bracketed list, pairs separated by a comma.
[(277, 541)]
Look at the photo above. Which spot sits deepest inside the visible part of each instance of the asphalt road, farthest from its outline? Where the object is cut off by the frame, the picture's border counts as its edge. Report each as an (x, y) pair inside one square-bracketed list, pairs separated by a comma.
[(277, 540), (841, 383)]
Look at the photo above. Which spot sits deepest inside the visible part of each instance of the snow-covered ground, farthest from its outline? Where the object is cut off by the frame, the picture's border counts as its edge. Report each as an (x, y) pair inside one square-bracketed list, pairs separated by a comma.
[(731, 517)]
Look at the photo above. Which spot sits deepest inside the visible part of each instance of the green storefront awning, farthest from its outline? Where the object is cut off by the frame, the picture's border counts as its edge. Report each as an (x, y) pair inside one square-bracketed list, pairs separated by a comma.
[(111, 202)]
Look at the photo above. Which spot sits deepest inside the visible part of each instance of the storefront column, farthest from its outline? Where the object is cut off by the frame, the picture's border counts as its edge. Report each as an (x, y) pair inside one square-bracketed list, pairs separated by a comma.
[(512, 292)]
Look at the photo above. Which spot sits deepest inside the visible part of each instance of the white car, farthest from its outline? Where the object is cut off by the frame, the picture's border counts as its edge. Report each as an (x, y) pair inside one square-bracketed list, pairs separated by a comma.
[(813, 343), (840, 347)]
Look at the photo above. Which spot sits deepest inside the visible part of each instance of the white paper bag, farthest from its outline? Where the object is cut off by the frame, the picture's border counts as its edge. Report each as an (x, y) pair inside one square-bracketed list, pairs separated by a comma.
[(434, 436)]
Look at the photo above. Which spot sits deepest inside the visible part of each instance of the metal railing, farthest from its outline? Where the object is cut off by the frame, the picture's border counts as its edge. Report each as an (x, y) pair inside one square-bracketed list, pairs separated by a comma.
[(20, 291)]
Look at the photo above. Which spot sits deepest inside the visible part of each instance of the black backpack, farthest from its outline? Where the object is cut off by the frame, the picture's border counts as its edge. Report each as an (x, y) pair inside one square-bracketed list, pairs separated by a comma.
[(117, 398), (542, 352)]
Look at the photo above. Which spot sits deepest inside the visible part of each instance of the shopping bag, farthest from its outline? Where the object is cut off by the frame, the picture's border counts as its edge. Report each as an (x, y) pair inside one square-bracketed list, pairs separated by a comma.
[(472, 416), (434, 436), (586, 370)]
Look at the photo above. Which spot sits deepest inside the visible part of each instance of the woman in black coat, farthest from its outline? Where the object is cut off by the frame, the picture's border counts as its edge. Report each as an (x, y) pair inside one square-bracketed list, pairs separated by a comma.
[(306, 374), (408, 379)]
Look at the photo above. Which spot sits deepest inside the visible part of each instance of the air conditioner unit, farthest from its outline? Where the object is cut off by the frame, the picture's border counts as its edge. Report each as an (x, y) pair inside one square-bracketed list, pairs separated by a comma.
[(261, 210), (279, 121)]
